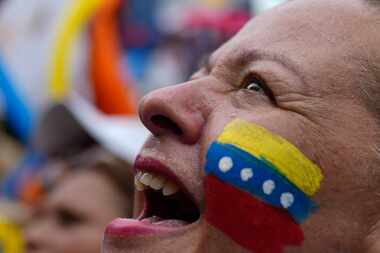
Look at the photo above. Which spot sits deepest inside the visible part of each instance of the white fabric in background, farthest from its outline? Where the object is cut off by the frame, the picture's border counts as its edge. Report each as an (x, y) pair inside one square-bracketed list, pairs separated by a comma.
[(28, 29), (260, 6)]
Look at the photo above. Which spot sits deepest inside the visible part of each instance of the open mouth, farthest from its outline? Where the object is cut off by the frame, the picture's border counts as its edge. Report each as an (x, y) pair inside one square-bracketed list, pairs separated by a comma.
[(167, 202), (167, 205)]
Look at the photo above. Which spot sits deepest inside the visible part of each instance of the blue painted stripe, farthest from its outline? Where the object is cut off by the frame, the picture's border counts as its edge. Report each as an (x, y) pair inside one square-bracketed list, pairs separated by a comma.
[(300, 209)]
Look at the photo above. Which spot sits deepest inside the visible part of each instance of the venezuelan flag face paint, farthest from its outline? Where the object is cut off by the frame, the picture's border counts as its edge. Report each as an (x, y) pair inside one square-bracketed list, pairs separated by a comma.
[(259, 188)]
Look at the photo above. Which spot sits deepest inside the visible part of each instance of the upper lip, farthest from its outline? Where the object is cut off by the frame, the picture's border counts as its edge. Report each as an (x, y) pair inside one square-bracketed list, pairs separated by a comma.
[(148, 164), (152, 165)]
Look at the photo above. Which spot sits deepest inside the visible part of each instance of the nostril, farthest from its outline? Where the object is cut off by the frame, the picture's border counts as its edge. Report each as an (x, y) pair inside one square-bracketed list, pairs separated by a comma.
[(166, 123)]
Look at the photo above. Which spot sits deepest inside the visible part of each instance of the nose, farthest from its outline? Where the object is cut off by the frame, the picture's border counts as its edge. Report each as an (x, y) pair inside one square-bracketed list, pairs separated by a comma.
[(178, 111)]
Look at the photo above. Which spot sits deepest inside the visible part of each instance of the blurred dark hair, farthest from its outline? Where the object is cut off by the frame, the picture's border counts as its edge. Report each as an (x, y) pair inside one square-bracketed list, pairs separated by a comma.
[(60, 135)]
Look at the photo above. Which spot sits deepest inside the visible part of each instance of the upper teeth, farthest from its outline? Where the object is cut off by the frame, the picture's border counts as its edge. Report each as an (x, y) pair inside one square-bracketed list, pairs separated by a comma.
[(156, 182)]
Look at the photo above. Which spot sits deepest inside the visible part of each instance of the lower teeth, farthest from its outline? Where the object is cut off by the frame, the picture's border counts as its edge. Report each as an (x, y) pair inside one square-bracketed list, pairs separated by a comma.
[(172, 223), (155, 220)]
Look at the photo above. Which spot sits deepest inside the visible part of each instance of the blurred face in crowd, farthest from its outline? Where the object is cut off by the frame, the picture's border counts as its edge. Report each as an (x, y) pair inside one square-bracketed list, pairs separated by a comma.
[(73, 217), (302, 71)]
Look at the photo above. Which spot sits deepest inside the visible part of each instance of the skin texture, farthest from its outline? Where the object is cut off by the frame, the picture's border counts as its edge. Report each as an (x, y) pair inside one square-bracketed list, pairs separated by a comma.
[(73, 217), (313, 56)]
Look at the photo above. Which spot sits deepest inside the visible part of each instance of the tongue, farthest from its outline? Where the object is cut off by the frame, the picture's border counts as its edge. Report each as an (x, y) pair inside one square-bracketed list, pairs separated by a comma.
[(155, 220), (132, 227)]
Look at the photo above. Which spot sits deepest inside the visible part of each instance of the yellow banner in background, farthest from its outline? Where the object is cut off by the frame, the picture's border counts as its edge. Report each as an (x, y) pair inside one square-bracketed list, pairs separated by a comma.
[(11, 237), (76, 19)]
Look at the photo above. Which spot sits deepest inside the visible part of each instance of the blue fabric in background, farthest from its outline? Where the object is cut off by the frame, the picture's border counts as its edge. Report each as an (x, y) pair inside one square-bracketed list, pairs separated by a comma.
[(18, 115), (14, 183)]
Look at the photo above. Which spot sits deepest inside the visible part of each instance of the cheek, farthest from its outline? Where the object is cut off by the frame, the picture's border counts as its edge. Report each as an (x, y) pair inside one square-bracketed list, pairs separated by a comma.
[(278, 121), (274, 119), (250, 100), (214, 127), (216, 241), (267, 180)]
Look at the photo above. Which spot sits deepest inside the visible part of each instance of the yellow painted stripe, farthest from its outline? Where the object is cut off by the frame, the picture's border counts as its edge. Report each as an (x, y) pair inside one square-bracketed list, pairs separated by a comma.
[(78, 16), (287, 159)]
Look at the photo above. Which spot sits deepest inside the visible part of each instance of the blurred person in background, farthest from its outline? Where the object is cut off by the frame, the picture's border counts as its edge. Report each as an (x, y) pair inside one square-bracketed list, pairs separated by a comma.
[(85, 186), (92, 189)]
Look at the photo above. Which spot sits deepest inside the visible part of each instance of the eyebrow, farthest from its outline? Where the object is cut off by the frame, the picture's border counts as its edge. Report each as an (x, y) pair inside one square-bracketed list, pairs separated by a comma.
[(247, 56)]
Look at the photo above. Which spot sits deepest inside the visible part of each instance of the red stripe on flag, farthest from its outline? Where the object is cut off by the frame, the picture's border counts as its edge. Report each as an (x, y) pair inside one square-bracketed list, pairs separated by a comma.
[(250, 222)]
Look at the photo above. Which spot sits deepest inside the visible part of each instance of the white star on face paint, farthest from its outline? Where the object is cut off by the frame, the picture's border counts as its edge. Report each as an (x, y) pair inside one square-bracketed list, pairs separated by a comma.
[(287, 200), (246, 174), (268, 187), (225, 164)]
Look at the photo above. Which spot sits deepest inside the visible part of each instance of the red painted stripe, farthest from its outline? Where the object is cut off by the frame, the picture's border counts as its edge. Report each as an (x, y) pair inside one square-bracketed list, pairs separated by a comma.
[(250, 222)]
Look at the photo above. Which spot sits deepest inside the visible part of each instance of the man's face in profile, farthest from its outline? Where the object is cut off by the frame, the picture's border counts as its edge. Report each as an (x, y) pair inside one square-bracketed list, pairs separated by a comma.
[(304, 72)]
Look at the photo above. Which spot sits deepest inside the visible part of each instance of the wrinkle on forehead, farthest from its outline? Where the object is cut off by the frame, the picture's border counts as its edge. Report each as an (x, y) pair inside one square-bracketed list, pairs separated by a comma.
[(243, 57), (322, 40)]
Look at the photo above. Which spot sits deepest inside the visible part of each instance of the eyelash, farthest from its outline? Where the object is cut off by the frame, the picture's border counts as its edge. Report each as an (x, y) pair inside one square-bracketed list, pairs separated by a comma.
[(256, 79)]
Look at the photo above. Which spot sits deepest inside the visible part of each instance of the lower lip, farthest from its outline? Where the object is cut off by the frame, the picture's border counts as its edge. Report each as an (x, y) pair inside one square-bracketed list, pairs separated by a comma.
[(131, 227)]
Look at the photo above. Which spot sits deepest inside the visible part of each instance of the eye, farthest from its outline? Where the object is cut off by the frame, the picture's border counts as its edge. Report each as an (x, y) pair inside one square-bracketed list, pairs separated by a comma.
[(254, 87), (67, 218), (257, 84), (253, 83)]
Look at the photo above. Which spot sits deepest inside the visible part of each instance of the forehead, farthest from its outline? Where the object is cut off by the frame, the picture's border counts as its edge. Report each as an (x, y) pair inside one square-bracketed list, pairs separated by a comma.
[(315, 34), (88, 193), (315, 21)]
